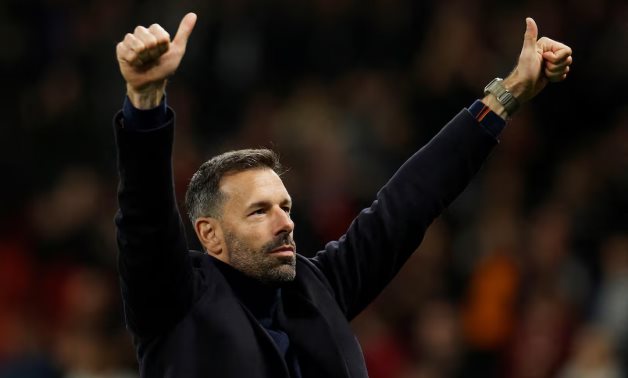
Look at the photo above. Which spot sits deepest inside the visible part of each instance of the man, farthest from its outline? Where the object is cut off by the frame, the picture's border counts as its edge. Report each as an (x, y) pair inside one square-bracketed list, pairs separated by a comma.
[(248, 305)]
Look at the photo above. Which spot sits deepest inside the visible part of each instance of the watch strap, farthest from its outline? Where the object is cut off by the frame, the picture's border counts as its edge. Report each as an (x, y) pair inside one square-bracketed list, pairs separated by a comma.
[(504, 97)]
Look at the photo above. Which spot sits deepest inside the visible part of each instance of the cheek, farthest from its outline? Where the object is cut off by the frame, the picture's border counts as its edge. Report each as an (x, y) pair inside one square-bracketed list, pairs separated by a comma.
[(253, 235)]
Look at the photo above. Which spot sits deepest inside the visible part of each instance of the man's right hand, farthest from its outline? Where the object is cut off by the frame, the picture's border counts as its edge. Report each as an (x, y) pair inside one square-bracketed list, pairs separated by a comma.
[(147, 58), (541, 61)]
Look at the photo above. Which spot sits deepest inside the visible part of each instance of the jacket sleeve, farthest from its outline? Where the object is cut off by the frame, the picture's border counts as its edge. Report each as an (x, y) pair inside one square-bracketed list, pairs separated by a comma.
[(382, 237), (156, 274)]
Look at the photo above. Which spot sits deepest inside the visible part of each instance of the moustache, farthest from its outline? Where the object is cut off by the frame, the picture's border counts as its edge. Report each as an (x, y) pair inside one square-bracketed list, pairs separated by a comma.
[(279, 241)]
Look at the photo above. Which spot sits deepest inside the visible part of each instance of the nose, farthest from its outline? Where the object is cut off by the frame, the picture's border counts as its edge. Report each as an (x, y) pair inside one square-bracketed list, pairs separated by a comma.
[(283, 222)]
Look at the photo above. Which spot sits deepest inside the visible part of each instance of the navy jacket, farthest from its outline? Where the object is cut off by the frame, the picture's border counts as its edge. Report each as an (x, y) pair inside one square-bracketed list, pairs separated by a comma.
[(179, 305)]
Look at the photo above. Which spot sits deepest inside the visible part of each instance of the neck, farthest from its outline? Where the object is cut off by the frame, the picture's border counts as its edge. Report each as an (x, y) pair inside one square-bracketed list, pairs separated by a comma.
[(259, 297)]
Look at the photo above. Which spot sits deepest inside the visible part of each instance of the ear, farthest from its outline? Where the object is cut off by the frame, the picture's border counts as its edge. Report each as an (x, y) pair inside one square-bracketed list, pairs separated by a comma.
[(210, 234)]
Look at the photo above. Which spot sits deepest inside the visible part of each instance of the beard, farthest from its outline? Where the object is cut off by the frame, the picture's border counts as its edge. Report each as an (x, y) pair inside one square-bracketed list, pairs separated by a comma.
[(259, 263)]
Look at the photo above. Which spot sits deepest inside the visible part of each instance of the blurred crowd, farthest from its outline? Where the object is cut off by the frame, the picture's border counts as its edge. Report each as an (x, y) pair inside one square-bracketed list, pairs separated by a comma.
[(524, 276)]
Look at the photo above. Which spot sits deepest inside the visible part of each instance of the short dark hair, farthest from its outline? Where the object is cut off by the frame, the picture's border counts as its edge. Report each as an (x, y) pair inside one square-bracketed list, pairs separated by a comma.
[(204, 198)]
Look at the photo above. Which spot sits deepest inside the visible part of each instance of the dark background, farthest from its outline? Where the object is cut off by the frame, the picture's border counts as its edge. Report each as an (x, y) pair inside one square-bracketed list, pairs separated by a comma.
[(525, 275)]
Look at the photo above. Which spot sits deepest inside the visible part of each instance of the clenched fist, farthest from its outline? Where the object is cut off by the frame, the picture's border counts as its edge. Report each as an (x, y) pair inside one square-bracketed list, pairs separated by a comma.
[(147, 57)]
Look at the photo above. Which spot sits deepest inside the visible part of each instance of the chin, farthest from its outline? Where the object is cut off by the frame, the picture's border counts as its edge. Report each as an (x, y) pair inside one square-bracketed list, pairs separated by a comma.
[(282, 274)]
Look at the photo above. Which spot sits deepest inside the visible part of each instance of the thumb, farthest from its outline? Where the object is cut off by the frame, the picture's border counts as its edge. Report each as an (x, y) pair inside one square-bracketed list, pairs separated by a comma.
[(185, 29), (531, 34)]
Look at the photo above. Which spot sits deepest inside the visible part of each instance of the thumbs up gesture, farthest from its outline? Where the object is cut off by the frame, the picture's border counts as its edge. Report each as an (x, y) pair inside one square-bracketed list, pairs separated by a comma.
[(541, 61), (147, 57)]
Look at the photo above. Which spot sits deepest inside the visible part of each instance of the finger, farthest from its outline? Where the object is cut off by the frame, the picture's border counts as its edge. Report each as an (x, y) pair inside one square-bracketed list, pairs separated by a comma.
[(162, 37), (557, 76), (185, 29), (559, 47), (531, 34), (559, 50), (552, 67), (553, 70), (557, 68), (124, 53), (150, 51), (132, 43), (557, 56)]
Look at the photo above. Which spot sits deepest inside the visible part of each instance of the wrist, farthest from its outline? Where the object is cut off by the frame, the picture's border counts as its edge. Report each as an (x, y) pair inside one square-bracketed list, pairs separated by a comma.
[(500, 99), (147, 98), (516, 87), (497, 108)]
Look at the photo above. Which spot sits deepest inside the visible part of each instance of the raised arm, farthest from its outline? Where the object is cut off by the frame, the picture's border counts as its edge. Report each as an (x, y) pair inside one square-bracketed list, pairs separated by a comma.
[(362, 262), (156, 273)]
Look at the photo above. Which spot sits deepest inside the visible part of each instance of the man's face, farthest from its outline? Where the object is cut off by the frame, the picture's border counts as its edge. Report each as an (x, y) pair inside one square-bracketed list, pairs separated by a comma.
[(257, 227)]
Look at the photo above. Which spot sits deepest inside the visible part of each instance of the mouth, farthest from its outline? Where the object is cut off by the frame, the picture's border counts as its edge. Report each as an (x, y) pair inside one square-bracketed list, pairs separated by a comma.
[(284, 250)]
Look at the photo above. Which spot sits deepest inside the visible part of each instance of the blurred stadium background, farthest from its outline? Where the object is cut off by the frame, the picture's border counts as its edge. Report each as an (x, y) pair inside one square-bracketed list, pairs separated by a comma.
[(526, 275)]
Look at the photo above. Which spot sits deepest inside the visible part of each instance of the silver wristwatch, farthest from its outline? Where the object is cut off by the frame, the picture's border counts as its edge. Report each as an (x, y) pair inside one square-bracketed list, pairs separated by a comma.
[(503, 96)]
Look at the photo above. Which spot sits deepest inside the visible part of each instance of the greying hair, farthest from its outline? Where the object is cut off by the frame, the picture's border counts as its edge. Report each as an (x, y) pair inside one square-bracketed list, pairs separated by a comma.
[(204, 198)]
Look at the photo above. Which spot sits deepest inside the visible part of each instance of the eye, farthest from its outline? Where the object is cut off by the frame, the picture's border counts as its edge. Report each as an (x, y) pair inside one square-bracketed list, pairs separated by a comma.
[(258, 212), (286, 209)]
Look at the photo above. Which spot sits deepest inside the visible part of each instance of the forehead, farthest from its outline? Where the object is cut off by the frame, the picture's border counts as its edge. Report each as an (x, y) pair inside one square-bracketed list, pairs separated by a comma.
[(253, 185)]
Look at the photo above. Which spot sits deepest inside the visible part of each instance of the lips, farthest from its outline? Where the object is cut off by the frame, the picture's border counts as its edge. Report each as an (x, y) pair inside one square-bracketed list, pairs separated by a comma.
[(284, 250)]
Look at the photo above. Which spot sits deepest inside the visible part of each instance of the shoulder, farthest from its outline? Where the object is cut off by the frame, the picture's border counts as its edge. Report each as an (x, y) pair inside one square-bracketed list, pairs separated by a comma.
[(309, 272)]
